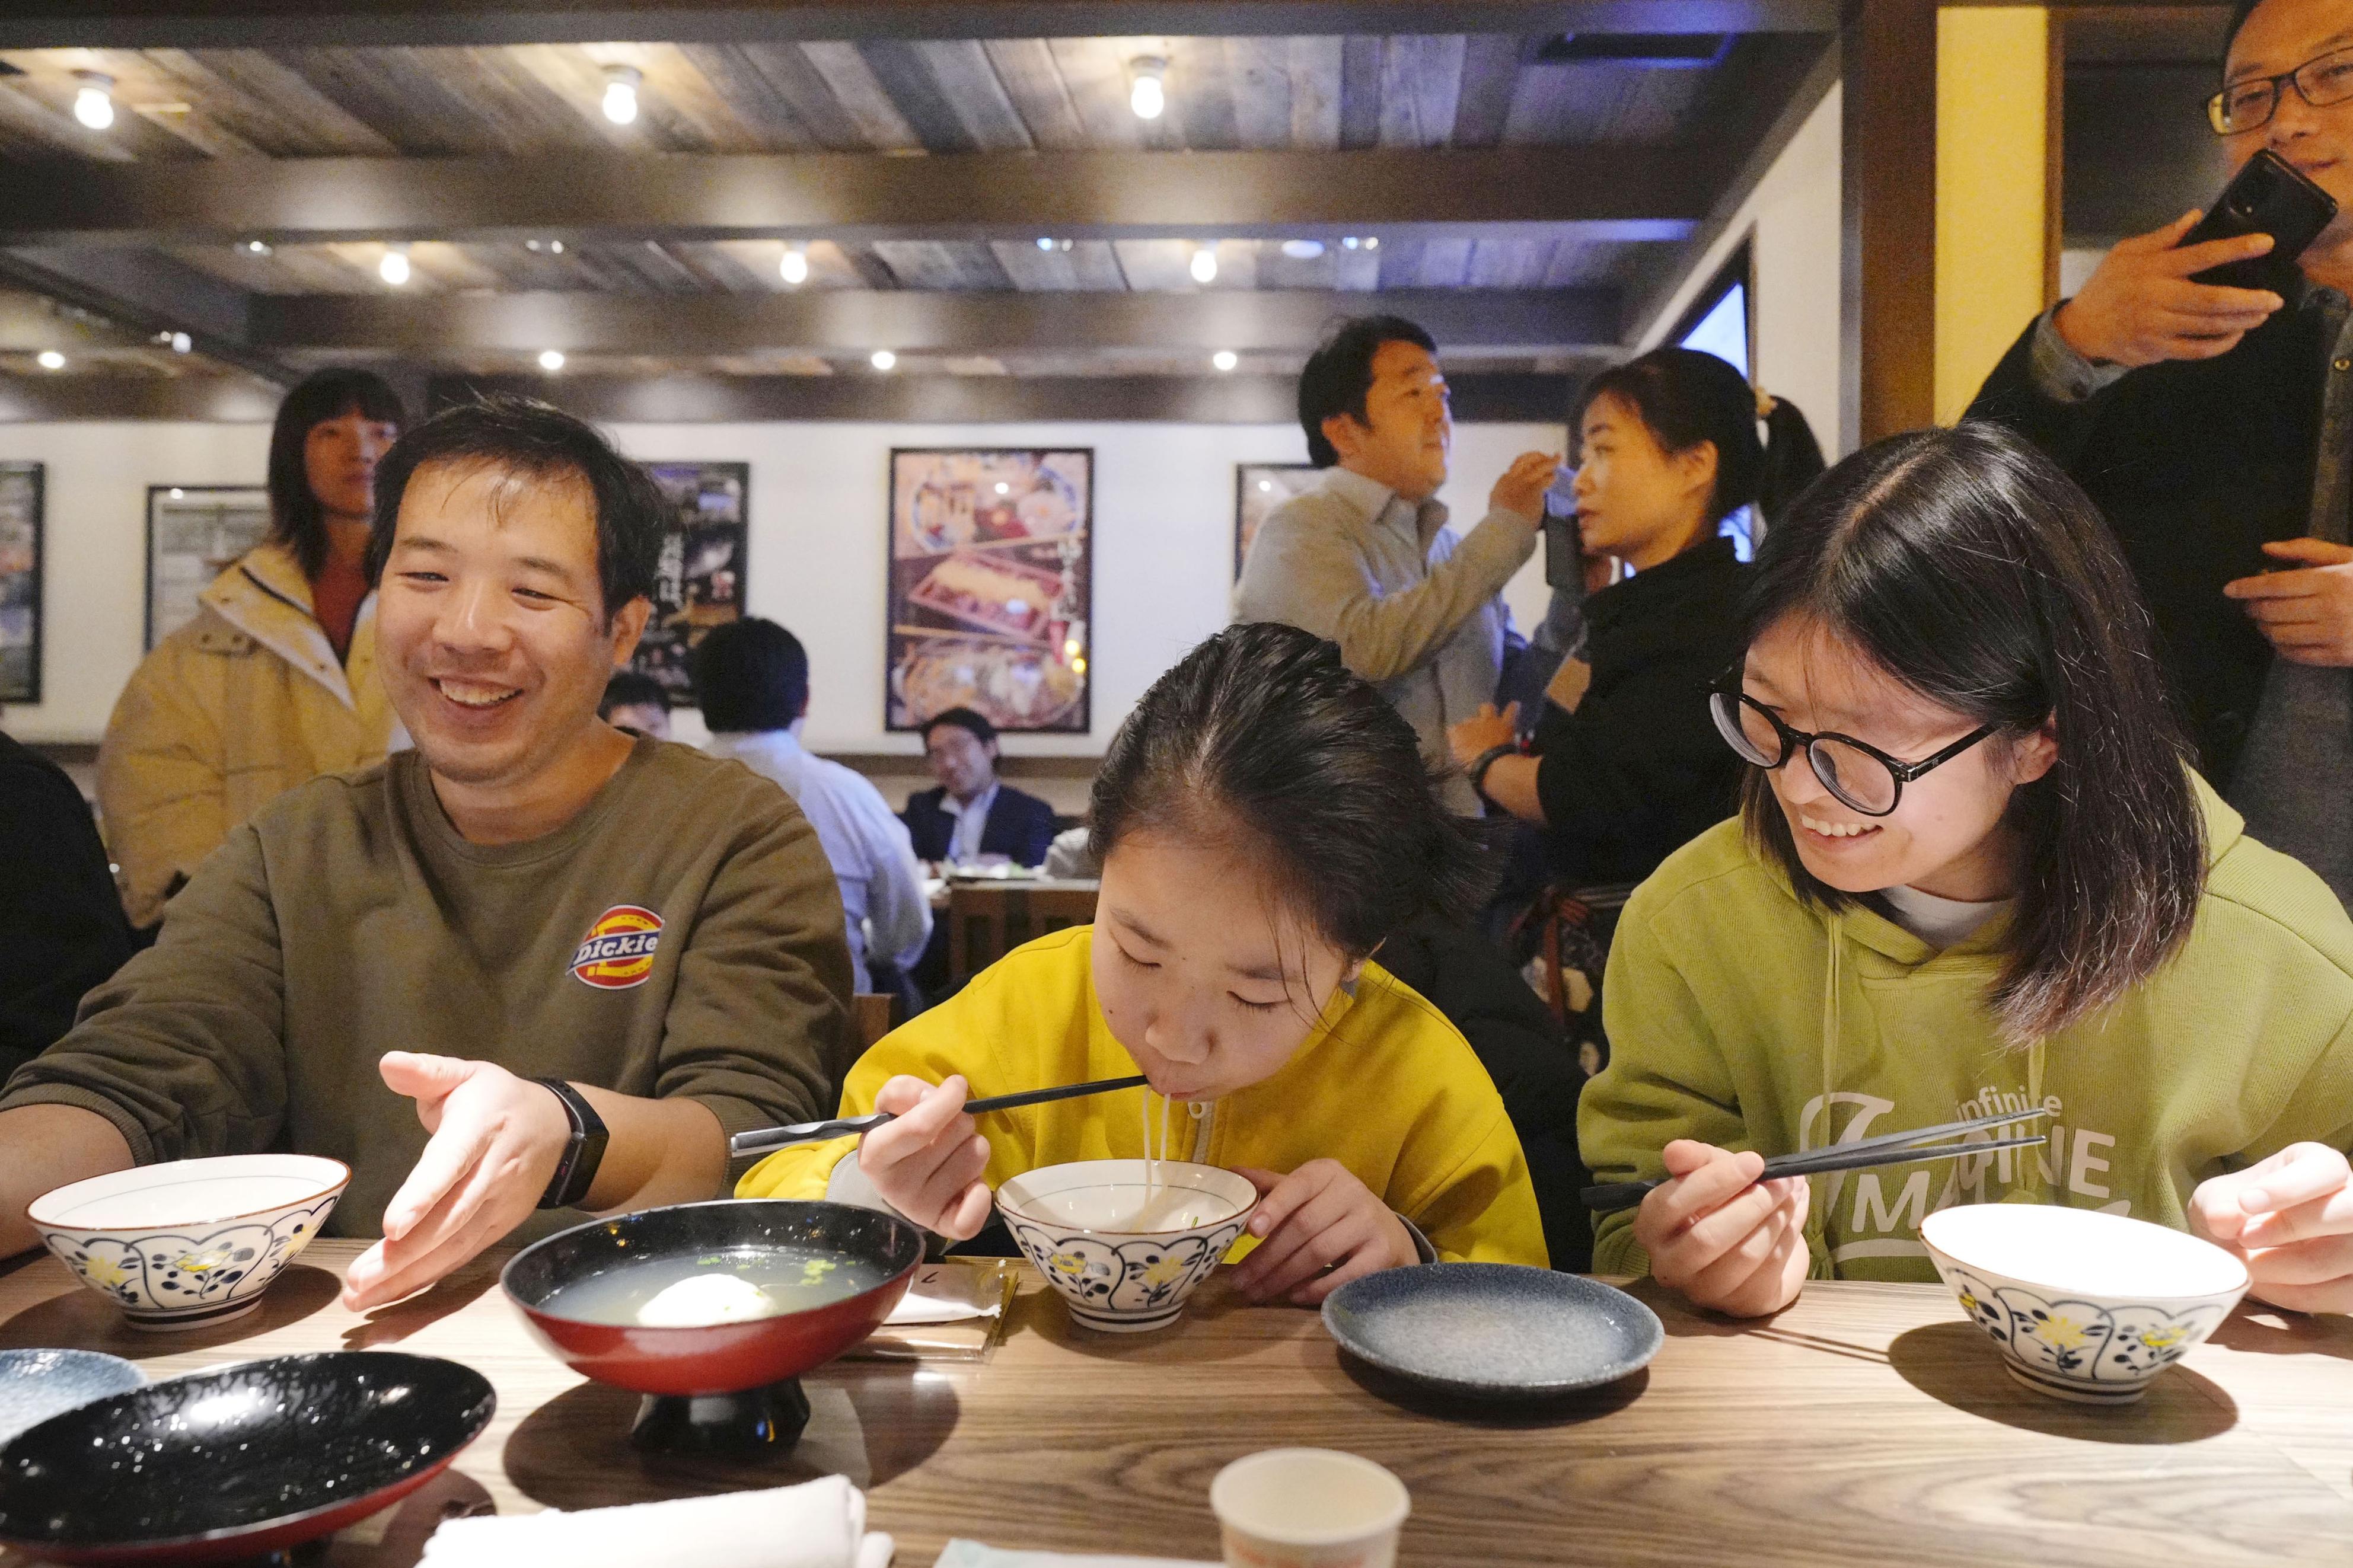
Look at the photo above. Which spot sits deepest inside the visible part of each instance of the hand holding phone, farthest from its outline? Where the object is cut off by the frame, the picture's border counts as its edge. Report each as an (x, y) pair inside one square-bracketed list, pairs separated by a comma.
[(2272, 196)]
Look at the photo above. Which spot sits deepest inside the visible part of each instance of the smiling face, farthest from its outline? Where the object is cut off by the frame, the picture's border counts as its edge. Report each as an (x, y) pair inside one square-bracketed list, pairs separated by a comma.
[(2278, 36), (964, 764), (1946, 836), (338, 459), (495, 644), (1209, 984), (1635, 499), (1407, 436)]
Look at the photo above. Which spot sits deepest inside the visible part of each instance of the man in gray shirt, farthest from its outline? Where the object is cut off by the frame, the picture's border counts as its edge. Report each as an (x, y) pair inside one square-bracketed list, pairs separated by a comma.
[(1366, 557)]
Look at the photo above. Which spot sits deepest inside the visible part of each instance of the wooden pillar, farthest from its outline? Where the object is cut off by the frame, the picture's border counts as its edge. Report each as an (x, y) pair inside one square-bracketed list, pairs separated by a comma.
[(1888, 178)]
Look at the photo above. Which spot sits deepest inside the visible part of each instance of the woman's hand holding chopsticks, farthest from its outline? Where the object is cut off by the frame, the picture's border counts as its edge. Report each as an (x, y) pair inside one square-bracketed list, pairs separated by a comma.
[(927, 1162), (1726, 1240)]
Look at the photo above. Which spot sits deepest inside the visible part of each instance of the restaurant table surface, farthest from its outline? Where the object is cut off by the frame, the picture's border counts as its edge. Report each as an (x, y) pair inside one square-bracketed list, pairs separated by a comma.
[(1868, 1424)]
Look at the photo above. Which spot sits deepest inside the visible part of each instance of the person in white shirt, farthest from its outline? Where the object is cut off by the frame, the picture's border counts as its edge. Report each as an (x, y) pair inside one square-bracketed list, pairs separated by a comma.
[(752, 678)]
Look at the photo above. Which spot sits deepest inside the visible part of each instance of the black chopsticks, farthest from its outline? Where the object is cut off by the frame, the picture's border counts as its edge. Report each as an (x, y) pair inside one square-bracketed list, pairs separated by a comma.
[(767, 1138), (1888, 1149)]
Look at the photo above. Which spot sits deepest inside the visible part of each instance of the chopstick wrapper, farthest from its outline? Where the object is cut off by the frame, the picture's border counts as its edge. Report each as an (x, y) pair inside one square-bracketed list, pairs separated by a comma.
[(820, 1524)]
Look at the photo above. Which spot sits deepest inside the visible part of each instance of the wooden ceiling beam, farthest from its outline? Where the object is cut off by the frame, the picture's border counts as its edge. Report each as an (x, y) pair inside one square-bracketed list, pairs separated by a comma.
[(856, 322), (140, 293), (359, 24), (1597, 193)]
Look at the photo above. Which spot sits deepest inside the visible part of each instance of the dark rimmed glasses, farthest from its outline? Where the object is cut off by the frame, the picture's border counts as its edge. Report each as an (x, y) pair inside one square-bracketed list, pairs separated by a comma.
[(1857, 773), (2248, 105)]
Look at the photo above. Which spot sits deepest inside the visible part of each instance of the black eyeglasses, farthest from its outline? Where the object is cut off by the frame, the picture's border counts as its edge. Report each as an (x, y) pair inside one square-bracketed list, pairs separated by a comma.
[(1858, 773), (2248, 105)]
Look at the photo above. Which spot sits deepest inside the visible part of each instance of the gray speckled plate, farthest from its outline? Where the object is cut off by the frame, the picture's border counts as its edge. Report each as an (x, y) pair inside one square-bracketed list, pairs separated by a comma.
[(1493, 1331), (38, 1384)]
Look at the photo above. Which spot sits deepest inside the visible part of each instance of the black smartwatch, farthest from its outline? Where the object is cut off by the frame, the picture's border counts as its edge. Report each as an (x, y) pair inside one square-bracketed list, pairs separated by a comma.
[(1477, 770), (576, 1172)]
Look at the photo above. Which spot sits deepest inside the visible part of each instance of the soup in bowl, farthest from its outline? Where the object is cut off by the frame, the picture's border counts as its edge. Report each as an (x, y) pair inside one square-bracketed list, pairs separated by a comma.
[(1125, 1241)]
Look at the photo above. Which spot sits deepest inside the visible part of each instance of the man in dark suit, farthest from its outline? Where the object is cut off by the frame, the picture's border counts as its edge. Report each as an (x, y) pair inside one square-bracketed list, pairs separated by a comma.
[(973, 813)]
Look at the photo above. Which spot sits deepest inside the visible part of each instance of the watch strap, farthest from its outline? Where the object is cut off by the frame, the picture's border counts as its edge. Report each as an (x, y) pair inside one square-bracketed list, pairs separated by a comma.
[(1477, 772), (576, 1172)]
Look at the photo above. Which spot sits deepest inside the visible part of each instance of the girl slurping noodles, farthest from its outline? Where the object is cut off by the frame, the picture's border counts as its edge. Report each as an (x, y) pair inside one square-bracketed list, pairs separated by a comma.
[(1264, 821), (1973, 872)]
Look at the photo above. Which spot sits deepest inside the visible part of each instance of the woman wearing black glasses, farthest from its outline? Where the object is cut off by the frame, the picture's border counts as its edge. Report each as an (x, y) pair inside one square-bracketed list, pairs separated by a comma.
[(1973, 874)]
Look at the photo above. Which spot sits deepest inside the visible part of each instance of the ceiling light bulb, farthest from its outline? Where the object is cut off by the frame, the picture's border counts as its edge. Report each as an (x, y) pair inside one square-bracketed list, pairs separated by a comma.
[(1045, 242), (555, 246), (394, 267), (181, 343), (49, 359), (94, 101), (1149, 96), (794, 269), (256, 247), (1302, 249), (621, 93), (551, 360), (1225, 359), (1372, 242), (883, 359), (1204, 265)]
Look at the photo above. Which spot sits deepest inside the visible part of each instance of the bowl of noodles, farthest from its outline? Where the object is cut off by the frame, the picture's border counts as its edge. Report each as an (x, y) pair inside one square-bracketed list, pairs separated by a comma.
[(1125, 1241)]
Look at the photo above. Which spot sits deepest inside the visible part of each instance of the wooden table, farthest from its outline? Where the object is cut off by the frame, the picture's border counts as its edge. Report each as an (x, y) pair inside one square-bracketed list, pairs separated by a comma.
[(1867, 1424)]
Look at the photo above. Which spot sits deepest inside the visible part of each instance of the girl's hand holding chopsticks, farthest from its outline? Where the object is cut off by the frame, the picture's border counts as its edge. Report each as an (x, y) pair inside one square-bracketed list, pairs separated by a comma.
[(1724, 1240), (927, 1161)]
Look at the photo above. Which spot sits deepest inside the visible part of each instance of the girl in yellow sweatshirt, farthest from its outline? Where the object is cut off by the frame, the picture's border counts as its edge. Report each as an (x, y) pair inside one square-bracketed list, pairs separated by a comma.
[(1263, 821), (1974, 874)]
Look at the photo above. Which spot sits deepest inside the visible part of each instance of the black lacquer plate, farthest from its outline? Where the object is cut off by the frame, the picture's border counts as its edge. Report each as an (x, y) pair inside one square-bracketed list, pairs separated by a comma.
[(1493, 1331)]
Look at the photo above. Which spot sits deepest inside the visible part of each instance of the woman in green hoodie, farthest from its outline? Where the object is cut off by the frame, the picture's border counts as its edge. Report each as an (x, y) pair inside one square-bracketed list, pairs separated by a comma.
[(1973, 872)]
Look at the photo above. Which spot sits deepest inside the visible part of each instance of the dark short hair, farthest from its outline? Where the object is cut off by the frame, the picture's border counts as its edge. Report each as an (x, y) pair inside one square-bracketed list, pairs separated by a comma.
[(527, 437), (295, 520), (632, 689), (2239, 15), (1262, 737), (1965, 564), (1684, 396), (1340, 373), (751, 674), (963, 719)]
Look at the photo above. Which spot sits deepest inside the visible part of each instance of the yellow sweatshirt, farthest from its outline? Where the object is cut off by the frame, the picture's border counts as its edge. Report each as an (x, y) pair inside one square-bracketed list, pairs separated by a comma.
[(1384, 1085)]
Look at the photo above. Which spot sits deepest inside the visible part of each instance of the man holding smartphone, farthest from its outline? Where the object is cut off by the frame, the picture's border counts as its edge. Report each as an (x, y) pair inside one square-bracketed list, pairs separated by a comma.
[(2214, 427)]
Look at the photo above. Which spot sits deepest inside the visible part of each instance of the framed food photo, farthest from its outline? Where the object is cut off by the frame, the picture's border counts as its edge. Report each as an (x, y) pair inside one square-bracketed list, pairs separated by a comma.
[(20, 583), (196, 532), (1259, 489), (992, 585), (699, 582)]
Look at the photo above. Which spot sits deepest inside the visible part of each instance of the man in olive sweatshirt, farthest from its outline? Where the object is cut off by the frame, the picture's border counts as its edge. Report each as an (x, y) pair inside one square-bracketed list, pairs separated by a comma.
[(586, 958)]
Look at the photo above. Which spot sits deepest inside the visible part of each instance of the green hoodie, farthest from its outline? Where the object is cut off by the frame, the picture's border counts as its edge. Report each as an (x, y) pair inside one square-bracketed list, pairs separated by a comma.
[(1736, 1012)]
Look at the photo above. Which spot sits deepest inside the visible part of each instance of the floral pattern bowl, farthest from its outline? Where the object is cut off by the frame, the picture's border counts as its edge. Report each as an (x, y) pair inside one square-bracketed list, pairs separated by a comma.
[(1123, 1246), (2085, 1306), (192, 1242)]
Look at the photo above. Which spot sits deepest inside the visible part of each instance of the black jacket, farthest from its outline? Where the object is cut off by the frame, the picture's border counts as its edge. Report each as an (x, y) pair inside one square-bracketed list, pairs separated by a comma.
[(1020, 827), (62, 928), (1639, 770), (1524, 1051), (2195, 464)]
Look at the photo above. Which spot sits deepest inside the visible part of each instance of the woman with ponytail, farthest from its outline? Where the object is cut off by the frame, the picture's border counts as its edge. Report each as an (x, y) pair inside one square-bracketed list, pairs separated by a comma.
[(1628, 766)]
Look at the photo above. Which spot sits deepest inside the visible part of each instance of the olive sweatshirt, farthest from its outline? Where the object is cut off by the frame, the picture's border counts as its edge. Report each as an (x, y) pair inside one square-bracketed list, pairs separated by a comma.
[(1741, 1017), (681, 936)]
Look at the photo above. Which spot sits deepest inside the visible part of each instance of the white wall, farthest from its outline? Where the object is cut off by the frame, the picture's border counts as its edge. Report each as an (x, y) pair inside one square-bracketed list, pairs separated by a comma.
[(1793, 213), (1163, 550)]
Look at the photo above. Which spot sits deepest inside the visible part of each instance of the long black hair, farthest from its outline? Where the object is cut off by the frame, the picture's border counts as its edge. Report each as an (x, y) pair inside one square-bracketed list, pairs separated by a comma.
[(1683, 398), (1967, 567), (295, 520), (1261, 737)]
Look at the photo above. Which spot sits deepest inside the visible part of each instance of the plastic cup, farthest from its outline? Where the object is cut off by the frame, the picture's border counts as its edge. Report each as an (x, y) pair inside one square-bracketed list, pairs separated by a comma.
[(1308, 1507)]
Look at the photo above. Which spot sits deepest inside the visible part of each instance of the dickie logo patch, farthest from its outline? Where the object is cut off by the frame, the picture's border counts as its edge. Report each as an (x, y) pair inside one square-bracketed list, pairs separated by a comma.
[(618, 951)]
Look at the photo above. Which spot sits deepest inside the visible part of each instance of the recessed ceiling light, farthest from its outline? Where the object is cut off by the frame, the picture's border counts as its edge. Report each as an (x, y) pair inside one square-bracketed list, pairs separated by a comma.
[(181, 343), (1149, 95), (393, 267), (94, 100), (551, 360), (1302, 249), (1045, 242), (794, 268), (1225, 359), (1372, 242), (1205, 264), (49, 359), (621, 93), (883, 359), (256, 247)]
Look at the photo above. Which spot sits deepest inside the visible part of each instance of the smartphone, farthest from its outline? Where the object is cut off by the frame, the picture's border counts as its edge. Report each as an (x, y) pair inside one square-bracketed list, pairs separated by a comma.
[(1563, 552), (2272, 196)]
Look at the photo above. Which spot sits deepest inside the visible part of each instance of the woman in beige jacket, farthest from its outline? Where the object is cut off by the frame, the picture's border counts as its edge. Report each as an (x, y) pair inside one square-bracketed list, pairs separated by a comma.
[(273, 682)]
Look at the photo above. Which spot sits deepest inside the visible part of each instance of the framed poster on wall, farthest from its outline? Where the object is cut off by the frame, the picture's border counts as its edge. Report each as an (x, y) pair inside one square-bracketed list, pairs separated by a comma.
[(1259, 489), (992, 585), (196, 532), (20, 583), (699, 582)]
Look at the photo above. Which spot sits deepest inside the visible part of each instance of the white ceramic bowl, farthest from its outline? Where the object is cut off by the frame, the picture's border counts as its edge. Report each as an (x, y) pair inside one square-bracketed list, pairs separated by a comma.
[(192, 1242), (1122, 1256), (2085, 1306)]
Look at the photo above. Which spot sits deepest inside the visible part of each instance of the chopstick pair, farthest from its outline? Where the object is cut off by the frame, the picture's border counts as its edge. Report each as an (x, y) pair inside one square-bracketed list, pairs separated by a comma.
[(761, 1140), (1888, 1149)]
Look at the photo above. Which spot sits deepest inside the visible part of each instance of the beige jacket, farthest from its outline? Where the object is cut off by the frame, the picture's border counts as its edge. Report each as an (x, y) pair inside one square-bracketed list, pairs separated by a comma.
[(239, 705)]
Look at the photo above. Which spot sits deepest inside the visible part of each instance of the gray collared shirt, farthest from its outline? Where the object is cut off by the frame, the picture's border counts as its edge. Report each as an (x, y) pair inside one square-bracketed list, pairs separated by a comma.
[(1414, 609)]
